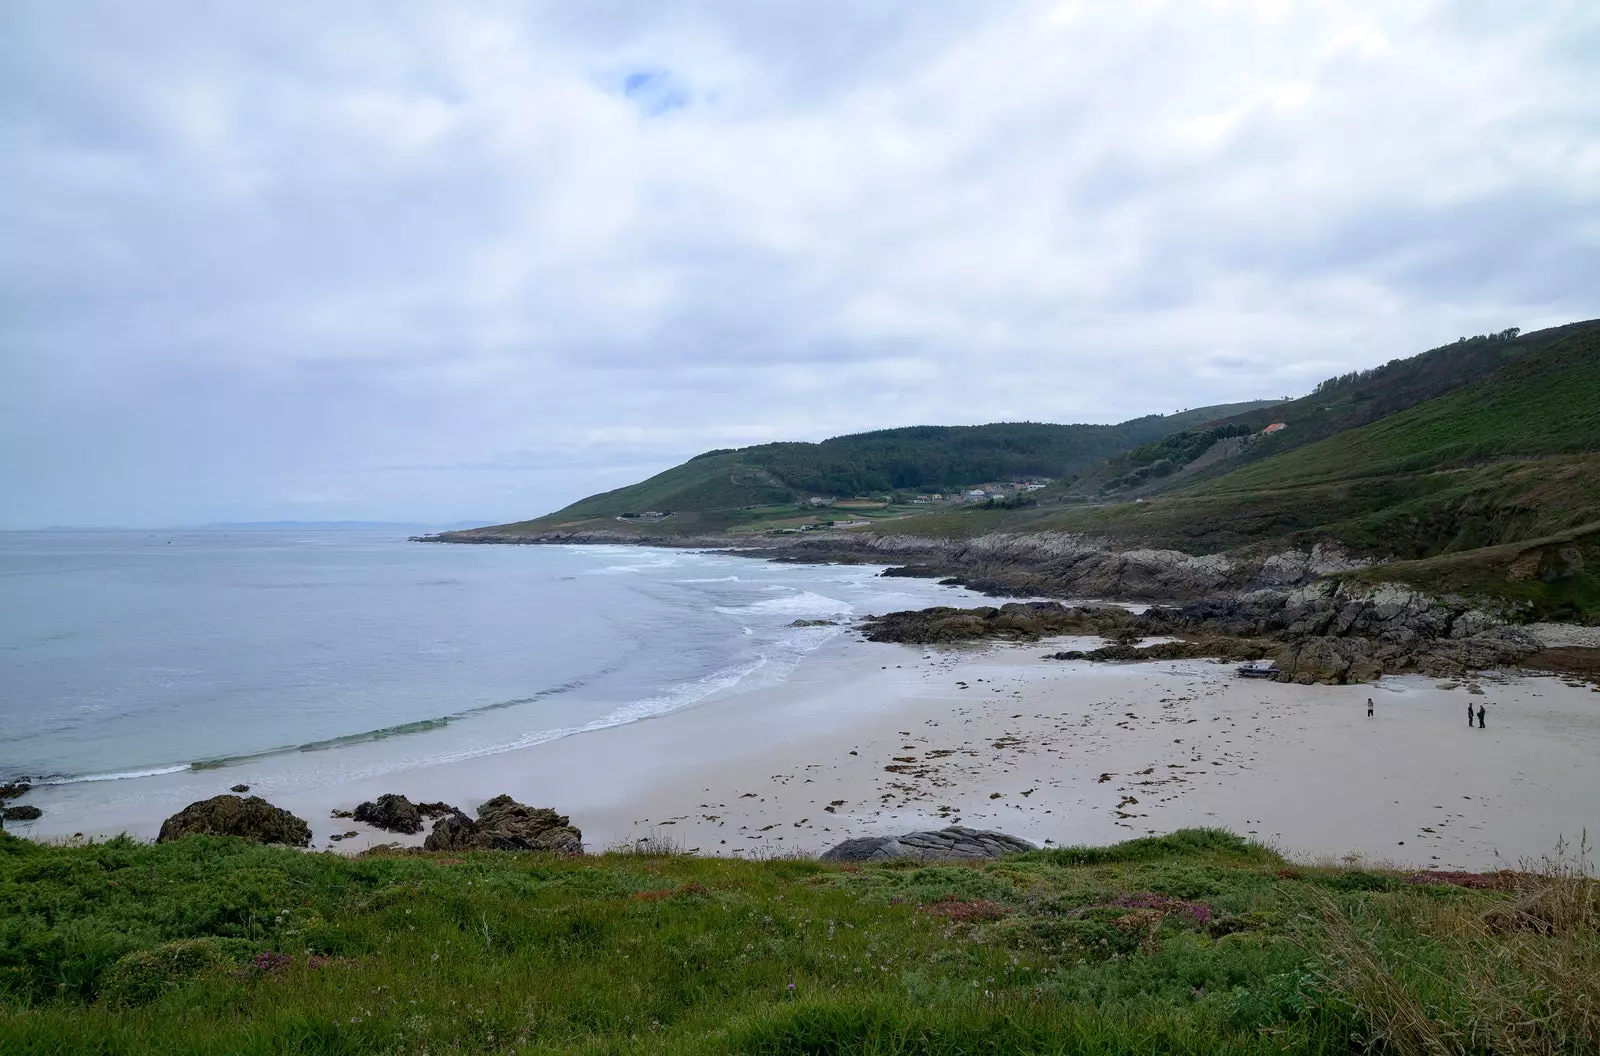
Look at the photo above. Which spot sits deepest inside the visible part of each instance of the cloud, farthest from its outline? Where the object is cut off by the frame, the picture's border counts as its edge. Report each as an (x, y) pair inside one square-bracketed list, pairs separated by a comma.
[(254, 255)]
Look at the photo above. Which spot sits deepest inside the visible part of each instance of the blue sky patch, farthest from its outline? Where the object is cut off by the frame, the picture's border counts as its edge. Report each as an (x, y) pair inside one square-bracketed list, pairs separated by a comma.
[(654, 91)]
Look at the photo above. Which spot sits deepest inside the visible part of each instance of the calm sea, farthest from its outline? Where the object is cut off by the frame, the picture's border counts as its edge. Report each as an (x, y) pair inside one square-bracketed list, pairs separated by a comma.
[(330, 655)]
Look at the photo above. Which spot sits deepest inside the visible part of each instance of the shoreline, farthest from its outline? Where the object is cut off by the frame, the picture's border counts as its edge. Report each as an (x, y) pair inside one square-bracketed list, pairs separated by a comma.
[(875, 739)]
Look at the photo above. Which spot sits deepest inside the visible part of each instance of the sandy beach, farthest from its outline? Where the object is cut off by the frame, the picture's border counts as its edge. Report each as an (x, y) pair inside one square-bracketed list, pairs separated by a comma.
[(868, 739)]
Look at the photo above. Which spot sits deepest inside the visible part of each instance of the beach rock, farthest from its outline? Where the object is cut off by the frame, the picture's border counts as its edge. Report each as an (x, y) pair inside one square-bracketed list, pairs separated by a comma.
[(436, 810), (454, 832), (506, 825), (392, 813), (252, 819), (239, 788), (956, 842), (23, 813), (13, 789)]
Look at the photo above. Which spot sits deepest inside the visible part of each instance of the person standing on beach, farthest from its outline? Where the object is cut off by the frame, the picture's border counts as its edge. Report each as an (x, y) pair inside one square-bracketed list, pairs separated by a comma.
[(1480, 716), (1369, 707), (1469, 714)]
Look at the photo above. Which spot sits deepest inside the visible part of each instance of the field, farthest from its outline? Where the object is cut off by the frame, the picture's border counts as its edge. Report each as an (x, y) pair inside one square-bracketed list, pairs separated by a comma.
[(1196, 942)]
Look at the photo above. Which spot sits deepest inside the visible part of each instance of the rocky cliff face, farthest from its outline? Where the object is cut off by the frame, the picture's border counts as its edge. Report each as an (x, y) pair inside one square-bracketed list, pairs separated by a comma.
[(1062, 565)]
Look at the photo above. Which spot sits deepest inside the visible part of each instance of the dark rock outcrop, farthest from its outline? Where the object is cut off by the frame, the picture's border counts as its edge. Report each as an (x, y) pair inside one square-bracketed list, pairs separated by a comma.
[(392, 813), (954, 843), (1056, 564), (1314, 636), (22, 813), (239, 788), (13, 789), (251, 819), (504, 824)]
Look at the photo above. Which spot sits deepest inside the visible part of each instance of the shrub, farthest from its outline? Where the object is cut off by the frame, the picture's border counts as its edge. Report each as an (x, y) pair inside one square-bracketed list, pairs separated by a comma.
[(145, 975)]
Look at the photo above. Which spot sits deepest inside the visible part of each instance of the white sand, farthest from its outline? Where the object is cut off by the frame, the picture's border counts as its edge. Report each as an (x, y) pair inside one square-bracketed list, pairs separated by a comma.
[(1054, 752)]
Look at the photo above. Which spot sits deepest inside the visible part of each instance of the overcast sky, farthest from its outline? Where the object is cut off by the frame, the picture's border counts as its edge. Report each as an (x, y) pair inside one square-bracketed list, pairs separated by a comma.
[(445, 260)]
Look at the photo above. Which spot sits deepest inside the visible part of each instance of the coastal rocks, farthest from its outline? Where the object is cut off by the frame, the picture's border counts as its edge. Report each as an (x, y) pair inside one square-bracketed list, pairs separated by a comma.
[(504, 824), (1321, 634), (1328, 660), (240, 788), (1219, 648), (12, 790), (454, 832), (814, 623), (1019, 621), (954, 843), (252, 819), (1065, 565), (391, 813)]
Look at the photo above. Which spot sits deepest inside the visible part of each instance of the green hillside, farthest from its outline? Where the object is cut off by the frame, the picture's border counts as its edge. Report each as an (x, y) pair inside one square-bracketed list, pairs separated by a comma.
[(1493, 489), (1336, 406), (722, 490)]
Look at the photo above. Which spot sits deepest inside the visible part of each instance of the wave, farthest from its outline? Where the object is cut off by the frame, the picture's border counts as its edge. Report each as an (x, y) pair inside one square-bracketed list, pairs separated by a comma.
[(123, 775), (343, 741), (805, 603), (713, 579), (683, 696)]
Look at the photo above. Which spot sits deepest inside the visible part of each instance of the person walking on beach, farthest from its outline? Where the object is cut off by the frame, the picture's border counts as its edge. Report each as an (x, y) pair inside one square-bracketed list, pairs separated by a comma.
[(1480, 716), (1369, 707)]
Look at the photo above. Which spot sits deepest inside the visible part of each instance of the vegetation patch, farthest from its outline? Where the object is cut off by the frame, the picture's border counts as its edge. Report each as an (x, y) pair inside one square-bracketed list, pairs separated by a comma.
[(1194, 942)]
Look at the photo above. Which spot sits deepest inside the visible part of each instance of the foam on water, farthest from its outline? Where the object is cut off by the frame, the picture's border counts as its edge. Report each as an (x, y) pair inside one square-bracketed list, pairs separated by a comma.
[(132, 660)]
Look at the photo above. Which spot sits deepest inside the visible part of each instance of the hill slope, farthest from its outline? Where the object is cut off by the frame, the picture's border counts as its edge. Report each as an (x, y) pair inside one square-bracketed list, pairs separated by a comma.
[(1336, 406), (719, 490), (1493, 488)]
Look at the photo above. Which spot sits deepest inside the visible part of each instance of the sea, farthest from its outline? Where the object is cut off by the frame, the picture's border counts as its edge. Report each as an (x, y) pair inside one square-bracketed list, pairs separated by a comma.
[(296, 658)]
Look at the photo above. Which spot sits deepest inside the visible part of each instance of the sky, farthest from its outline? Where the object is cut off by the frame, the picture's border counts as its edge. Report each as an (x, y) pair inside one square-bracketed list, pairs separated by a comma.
[(431, 262)]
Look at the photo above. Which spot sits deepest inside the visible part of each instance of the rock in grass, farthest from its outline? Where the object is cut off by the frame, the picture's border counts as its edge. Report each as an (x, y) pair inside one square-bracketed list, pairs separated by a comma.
[(251, 819), (392, 813), (22, 813), (506, 825), (950, 844)]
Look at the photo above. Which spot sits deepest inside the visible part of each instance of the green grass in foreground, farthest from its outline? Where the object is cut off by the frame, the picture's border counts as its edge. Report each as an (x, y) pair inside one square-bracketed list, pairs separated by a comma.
[(1193, 943)]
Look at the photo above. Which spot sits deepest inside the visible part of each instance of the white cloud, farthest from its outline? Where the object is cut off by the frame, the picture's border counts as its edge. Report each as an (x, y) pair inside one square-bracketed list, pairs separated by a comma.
[(421, 235)]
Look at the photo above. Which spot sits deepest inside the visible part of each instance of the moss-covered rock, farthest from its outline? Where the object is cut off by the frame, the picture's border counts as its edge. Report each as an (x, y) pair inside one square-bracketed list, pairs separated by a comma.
[(251, 819)]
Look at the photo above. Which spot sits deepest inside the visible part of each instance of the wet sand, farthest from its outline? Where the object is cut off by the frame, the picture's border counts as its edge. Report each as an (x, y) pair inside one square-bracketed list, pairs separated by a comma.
[(870, 739)]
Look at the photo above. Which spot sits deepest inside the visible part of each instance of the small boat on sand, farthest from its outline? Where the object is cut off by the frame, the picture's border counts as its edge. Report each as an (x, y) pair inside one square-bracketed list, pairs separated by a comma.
[(1258, 669)]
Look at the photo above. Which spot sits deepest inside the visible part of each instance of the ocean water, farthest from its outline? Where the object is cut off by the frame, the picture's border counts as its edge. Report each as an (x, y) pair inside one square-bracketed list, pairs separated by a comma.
[(315, 657)]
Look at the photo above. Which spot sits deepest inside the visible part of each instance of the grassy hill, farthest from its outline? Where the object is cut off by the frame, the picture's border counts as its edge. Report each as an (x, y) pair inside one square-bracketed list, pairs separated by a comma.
[(722, 490), (1192, 943), (1493, 488), (1336, 406)]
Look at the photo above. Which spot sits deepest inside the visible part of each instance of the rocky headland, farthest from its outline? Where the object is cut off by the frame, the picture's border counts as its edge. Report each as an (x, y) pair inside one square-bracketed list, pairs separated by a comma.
[(1299, 607)]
